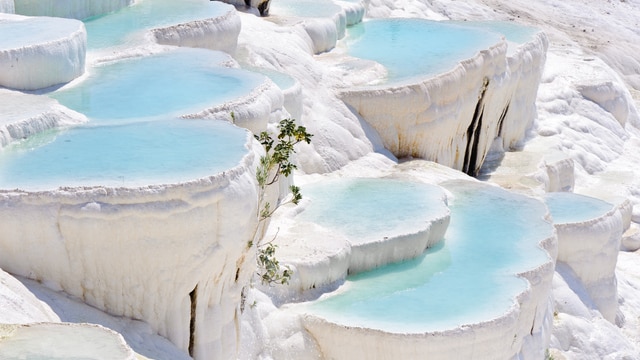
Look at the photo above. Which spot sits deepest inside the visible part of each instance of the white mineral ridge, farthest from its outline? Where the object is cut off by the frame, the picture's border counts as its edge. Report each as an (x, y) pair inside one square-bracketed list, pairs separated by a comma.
[(75, 9), (590, 249), (62, 341), (254, 111), (19, 305), (24, 115), (218, 33), (339, 136), (138, 334), (429, 118), (140, 252), (38, 52), (527, 324)]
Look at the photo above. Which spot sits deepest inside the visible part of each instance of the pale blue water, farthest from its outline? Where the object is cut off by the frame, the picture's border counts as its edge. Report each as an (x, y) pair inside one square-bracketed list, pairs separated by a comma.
[(16, 34), (512, 32), (131, 154), (304, 8), (469, 278), (568, 207), (128, 25), (416, 47), (365, 209), (174, 83)]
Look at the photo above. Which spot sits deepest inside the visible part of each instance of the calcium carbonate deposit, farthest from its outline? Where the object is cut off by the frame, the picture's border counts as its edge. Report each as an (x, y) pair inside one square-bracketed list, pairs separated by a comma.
[(471, 189)]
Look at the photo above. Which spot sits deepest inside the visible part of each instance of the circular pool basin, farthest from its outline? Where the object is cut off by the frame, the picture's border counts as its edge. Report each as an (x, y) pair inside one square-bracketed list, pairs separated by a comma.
[(415, 47), (471, 277), (127, 26), (367, 210), (173, 83), (123, 155), (566, 207)]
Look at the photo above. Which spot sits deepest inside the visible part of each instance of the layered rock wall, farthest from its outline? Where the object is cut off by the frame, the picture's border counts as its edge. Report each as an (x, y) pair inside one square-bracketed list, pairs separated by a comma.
[(174, 256), (454, 118), (219, 33)]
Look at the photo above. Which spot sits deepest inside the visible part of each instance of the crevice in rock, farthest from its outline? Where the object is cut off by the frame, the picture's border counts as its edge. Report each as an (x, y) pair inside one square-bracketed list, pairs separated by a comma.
[(501, 119), (193, 296), (263, 7), (470, 165)]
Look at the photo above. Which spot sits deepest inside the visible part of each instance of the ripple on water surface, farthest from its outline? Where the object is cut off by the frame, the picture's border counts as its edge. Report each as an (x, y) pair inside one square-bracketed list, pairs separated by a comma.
[(468, 278)]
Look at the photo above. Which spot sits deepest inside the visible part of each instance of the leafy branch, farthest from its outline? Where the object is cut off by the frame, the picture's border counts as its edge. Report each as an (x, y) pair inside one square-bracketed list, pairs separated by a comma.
[(277, 161)]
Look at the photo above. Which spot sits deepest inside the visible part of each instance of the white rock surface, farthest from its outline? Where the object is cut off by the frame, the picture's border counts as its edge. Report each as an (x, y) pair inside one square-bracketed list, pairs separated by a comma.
[(39, 52), (19, 305), (429, 119), (144, 253), (590, 249), (75, 9), (24, 115), (219, 33), (254, 111), (62, 341)]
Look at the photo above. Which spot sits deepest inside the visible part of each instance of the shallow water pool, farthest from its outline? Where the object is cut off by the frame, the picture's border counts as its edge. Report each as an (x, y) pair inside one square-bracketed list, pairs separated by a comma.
[(127, 26), (369, 209), (416, 47), (128, 154), (29, 31), (469, 278), (172, 83), (568, 207)]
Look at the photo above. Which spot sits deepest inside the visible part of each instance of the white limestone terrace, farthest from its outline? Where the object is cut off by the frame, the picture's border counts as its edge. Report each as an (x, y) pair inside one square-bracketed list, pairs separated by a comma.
[(63, 341), (209, 86), (570, 123), (324, 21), (291, 89), (109, 192), (25, 115), (173, 245), (75, 9), (451, 303), (485, 102), (32, 59), (205, 24), (350, 225), (589, 234)]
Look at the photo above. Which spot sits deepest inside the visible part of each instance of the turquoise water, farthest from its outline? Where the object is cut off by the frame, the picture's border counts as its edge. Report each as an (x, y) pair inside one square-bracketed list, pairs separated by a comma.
[(17, 34), (304, 8), (570, 208), (468, 278), (127, 26), (173, 83), (416, 47), (365, 209), (512, 32), (131, 154), (134, 136)]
